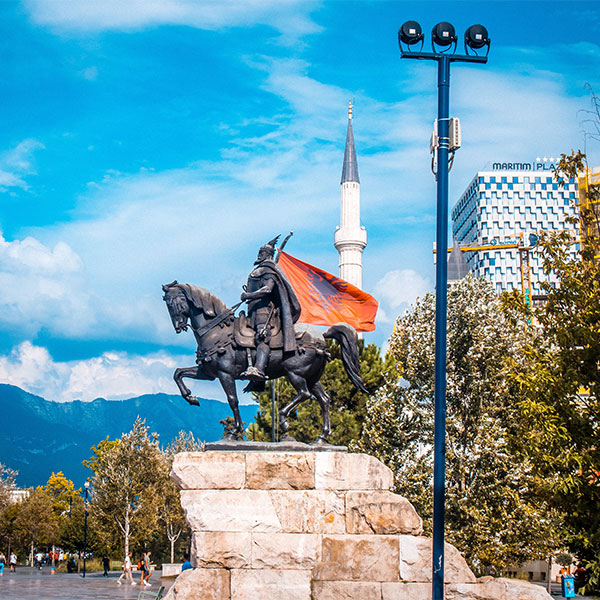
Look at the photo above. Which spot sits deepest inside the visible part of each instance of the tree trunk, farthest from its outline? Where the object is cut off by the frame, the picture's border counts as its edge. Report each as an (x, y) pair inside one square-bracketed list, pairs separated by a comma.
[(172, 551), (31, 555), (126, 533), (549, 577), (53, 562)]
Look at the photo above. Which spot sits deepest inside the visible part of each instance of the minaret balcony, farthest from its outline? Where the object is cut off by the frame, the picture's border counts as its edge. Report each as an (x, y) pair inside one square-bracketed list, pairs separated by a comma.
[(345, 237)]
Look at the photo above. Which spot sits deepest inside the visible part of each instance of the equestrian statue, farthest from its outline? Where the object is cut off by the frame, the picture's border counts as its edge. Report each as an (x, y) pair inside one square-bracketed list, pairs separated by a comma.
[(265, 344)]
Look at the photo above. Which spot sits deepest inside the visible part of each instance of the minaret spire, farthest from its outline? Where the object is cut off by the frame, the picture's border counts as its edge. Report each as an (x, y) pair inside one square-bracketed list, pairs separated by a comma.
[(350, 237), (350, 168)]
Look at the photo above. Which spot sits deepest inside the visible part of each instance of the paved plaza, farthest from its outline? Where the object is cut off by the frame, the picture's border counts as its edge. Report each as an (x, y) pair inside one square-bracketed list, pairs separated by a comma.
[(32, 584)]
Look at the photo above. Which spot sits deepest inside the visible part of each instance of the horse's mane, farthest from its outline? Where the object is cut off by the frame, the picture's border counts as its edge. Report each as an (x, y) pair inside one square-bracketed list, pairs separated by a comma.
[(203, 299)]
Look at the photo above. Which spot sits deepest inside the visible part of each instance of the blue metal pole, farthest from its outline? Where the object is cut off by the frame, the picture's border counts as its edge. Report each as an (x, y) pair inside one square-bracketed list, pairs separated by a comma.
[(441, 284)]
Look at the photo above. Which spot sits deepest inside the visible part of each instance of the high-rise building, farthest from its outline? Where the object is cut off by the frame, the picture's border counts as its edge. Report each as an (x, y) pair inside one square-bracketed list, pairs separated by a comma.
[(501, 214), (350, 237)]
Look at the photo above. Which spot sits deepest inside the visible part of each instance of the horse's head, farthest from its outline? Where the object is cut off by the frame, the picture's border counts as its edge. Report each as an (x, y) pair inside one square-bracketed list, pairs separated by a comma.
[(189, 303), (177, 305)]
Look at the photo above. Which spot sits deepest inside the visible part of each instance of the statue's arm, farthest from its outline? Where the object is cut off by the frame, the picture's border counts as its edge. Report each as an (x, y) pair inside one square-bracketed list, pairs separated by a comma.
[(265, 290)]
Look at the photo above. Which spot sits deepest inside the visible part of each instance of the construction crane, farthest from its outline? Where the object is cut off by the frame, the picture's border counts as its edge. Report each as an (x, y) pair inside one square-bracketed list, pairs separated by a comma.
[(510, 243), (518, 242)]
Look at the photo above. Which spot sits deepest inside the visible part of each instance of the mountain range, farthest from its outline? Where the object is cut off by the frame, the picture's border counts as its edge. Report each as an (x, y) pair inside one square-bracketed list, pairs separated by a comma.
[(38, 436)]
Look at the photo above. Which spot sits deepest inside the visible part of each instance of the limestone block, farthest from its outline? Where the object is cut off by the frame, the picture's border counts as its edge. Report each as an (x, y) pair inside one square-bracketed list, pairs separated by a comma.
[(201, 584), (346, 590), (310, 511), (279, 584), (402, 590), (341, 471), (381, 512), (415, 561), (362, 557), (280, 471), (209, 470), (285, 550), (488, 590), (517, 589), (229, 510), (222, 549)]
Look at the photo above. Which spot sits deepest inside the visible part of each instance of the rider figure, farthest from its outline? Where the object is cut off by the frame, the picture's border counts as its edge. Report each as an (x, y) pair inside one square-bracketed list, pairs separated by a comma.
[(271, 300)]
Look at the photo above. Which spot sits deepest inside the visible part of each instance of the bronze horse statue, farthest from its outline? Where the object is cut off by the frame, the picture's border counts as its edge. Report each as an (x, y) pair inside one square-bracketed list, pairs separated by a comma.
[(226, 346)]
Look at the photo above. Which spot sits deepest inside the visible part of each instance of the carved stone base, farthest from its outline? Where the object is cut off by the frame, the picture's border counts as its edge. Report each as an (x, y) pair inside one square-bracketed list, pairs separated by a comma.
[(311, 526)]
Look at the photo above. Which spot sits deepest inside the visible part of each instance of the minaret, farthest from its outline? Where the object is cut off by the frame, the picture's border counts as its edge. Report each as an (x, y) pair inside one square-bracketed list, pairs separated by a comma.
[(350, 237)]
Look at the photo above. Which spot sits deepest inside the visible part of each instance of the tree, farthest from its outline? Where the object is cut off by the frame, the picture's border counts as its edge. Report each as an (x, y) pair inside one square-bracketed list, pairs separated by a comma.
[(62, 492), (560, 405), (7, 484), (126, 485), (35, 522), (348, 405), (171, 513), (492, 514)]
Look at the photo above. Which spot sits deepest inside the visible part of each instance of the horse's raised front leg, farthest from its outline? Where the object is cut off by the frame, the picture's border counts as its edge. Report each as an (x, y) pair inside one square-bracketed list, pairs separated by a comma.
[(321, 395), (228, 383), (192, 373), (301, 388)]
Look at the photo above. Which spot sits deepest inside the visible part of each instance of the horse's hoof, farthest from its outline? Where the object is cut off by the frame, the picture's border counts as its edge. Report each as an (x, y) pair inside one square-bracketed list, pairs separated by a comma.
[(234, 436), (288, 438), (321, 441), (192, 400)]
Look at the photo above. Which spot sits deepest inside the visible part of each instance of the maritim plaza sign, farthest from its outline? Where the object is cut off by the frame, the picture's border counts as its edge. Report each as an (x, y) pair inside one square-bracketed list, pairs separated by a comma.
[(540, 164)]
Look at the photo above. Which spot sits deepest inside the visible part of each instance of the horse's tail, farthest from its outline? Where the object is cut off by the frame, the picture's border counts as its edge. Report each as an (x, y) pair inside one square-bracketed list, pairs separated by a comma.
[(346, 336)]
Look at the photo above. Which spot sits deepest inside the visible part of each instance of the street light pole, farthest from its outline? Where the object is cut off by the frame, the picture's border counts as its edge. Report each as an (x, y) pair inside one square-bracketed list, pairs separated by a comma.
[(443, 35), (86, 486), (441, 296)]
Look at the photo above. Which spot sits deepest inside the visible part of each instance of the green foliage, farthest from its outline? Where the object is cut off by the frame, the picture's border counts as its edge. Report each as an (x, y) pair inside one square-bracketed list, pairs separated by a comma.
[(7, 483), (348, 405), (492, 513), (564, 559), (127, 482), (560, 407), (36, 522)]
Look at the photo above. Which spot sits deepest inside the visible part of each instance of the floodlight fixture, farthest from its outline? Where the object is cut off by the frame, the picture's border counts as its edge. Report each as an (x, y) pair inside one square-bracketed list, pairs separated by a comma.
[(444, 35), (410, 34), (476, 37)]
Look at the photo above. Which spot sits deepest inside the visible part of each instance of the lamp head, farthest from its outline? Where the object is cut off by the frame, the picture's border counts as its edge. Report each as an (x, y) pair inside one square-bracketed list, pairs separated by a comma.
[(443, 34), (410, 33), (476, 37), (86, 485)]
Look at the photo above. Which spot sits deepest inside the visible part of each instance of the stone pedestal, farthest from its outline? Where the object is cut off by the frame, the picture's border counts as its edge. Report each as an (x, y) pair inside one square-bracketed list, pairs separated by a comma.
[(311, 526)]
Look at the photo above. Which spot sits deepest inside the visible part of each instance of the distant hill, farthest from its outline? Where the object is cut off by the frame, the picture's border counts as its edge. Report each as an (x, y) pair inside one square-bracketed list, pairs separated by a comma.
[(38, 436)]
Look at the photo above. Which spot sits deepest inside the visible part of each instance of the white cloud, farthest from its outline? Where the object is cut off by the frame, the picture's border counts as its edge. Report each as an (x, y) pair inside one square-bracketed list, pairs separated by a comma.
[(18, 162), (114, 375), (290, 17), (399, 289), (41, 286), (47, 287)]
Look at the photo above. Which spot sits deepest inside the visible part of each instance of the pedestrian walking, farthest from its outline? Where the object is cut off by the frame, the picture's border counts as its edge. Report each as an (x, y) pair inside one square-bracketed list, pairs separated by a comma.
[(2, 563), (126, 571), (142, 567), (13, 562), (147, 568), (106, 565)]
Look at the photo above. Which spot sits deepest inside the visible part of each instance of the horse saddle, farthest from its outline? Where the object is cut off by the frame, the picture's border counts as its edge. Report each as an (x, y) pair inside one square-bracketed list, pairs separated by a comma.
[(244, 335)]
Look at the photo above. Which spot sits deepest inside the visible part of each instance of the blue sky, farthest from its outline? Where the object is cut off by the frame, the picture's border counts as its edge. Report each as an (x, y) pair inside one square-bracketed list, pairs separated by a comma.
[(170, 139)]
